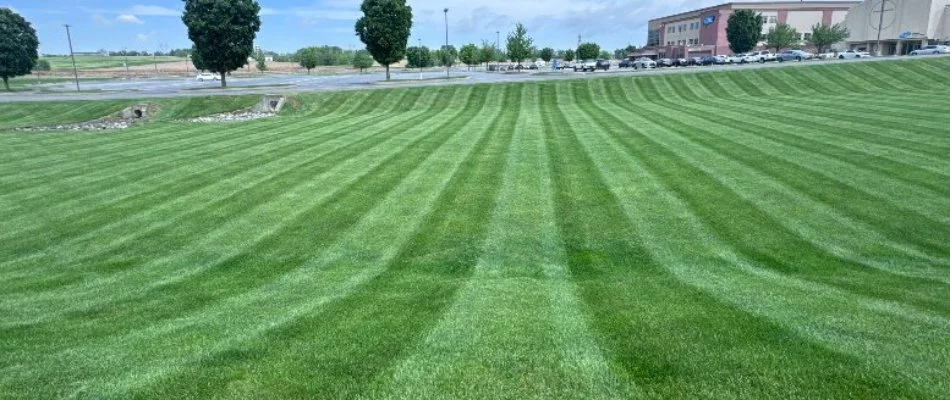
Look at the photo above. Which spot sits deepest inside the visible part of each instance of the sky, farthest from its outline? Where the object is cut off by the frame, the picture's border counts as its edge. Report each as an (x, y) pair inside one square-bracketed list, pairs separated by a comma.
[(287, 25)]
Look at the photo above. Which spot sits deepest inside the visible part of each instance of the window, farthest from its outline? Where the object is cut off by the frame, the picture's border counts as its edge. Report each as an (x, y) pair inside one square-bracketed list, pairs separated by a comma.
[(773, 19), (807, 35)]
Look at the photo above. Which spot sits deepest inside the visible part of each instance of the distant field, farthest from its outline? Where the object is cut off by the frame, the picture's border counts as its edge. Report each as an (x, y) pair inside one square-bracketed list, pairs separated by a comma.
[(772, 233), (93, 62)]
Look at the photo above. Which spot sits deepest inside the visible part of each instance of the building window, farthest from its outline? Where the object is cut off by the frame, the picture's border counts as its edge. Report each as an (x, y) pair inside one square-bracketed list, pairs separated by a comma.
[(773, 19), (806, 36)]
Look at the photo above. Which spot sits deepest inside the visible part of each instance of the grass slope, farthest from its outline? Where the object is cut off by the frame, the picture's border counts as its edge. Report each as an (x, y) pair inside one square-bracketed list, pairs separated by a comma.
[(775, 233), (94, 62)]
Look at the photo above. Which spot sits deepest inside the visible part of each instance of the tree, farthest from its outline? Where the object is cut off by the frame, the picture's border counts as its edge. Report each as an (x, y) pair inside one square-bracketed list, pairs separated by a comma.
[(18, 46), (823, 36), (448, 55), (781, 36), (223, 32), (630, 49), (569, 55), (362, 60), (197, 61), (261, 61), (604, 55), (469, 55), (519, 44), (487, 53), (384, 28), (42, 66), (743, 30), (307, 57), (588, 51), (547, 54), (418, 57)]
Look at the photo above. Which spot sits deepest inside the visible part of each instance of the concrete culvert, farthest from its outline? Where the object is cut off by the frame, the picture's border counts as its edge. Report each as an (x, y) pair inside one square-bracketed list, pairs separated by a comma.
[(269, 104), (137, 111)]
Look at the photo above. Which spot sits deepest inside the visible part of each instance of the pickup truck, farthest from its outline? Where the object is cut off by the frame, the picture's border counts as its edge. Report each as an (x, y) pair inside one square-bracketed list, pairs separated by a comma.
[(586, 65)]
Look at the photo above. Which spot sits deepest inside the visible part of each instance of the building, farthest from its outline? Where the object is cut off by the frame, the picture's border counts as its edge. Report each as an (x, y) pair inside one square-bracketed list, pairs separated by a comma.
[(900, 25), (702, 32)]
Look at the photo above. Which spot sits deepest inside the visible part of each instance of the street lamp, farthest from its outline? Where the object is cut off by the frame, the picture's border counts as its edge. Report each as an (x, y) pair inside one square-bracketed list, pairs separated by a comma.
[(446, 52), (73, 56), (420, 55)]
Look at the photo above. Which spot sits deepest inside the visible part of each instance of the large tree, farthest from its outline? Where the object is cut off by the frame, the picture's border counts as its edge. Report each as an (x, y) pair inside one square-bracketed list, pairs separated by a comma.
[(469, 55), (588, 51), (519, 44), (197, 61), (307, 57), (781, 36), (823, 36), (743, 30), (223, 32), (362, 60), (384, 28), (418, 57), (547, 54), (18, 46)]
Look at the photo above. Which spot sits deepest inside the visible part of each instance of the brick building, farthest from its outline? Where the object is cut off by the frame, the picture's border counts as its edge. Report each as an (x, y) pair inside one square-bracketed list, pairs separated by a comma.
[(703, 32)]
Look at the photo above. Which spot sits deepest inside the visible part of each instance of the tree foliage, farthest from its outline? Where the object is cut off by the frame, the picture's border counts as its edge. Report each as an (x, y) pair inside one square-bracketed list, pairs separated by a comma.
[(569, 55), (588, 51), (223, 32), (469, 55), (447, 56), (307, 57), (823, 36), (487, 53), (418, 57), (362, 60), (743, 30), (18, 46), (547, 54), (384, 28), (781, 36), (261, 61), (519, 44), (197, 61)]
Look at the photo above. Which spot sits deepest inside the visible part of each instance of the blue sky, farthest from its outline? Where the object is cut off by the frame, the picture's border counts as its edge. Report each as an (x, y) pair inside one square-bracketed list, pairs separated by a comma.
[(290, 24)]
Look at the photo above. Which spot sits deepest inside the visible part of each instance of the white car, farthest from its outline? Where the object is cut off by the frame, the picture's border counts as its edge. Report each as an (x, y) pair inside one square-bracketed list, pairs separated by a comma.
[(207, 76), (742, 58), (644, 62), (762, 56), (586, 65), (853, 54), (931, 50)]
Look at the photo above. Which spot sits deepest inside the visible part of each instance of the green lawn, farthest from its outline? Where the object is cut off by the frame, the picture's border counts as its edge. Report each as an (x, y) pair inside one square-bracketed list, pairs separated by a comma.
[(778, 233), (93, 62)]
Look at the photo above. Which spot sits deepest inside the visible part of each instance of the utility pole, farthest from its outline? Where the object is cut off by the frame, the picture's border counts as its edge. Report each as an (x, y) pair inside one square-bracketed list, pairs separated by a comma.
[(125, 53), (446, 52), (880, 26), (73, 56), (578, 41), (420, 54)]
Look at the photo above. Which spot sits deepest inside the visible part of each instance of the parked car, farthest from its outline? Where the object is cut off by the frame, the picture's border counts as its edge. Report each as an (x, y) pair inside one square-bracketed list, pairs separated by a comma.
[(644, 63), (207, 76), (931, 50), (852, 54), (602, 64), (696, 61), (794, 55), (709, 60), (664, 62), (680, 62), (762, 56), (586, 65), (627, 63)]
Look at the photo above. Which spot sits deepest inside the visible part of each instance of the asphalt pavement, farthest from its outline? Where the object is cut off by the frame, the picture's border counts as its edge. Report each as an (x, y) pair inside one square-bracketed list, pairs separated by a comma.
[(275, 83)]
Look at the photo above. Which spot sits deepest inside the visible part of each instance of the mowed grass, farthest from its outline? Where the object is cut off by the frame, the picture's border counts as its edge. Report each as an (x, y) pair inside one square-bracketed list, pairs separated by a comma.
[(94, 62), (776, 233)]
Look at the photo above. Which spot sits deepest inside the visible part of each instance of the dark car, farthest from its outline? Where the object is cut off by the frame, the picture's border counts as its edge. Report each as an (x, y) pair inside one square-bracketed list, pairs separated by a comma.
[(627, 63), (680, 62), (696, 61), (710, 60), (664, 62), (603, 64)]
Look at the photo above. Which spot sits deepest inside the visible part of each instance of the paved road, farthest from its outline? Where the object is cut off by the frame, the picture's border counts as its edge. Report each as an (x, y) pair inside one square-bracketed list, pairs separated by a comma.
[(152, 88)]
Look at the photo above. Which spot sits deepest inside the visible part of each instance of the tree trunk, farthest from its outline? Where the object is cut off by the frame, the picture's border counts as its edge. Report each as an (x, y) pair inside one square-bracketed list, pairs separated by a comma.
[(6, 83), (224, 80), (387, 72), (308, 71)]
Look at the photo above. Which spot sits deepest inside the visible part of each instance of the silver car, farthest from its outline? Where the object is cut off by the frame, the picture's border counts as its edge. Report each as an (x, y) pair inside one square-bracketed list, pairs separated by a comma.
[(852, 54), (931, 50), (644, 63)]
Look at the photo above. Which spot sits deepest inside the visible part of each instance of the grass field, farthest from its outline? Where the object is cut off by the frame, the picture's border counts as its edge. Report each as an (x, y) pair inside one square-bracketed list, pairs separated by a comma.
[(777, 233), (94, 62)]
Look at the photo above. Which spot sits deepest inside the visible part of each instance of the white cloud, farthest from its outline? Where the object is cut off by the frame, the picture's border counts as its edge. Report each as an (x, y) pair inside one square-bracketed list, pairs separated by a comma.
[(99, 19), (153, 11), (129, 19), (143, 37)]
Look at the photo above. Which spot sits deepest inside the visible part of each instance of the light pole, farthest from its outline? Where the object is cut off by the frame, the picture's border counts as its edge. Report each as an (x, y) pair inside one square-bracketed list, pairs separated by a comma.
[(73, 56), (420, 55), (446, 52), (125, 53)]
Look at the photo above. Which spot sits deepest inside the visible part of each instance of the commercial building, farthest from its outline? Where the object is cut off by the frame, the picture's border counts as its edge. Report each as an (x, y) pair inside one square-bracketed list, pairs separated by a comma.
[(703, 32), (900, 25)]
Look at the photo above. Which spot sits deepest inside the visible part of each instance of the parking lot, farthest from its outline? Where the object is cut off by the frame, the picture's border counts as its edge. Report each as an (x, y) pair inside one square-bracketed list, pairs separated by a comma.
[(274, 83)]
